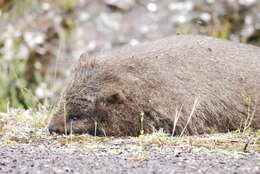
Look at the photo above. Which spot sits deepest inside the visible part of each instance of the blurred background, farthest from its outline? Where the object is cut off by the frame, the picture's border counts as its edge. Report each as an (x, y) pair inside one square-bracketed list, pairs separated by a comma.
[(41, 39)]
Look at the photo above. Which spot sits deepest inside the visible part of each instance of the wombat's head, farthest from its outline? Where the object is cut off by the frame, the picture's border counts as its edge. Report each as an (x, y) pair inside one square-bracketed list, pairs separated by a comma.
[(85, 103)]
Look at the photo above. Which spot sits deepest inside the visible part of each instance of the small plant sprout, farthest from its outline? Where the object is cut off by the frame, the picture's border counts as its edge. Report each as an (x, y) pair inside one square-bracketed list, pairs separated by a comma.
[(95, 129), (142, 123), (71, 130), (65, 120)]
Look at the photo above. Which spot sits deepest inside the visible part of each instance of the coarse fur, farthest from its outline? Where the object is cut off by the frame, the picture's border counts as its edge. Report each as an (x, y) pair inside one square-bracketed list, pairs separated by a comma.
[(183, 84)]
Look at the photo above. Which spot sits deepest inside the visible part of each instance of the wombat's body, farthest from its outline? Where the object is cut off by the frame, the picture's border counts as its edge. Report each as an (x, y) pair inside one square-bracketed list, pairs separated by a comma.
[(189, 84)]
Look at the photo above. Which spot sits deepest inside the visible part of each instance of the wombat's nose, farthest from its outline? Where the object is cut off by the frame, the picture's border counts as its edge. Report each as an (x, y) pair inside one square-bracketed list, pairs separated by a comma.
[(53, 129)]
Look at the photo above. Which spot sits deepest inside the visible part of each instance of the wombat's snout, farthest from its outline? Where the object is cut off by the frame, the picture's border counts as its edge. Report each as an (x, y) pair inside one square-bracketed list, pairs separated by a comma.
[(54, 129)]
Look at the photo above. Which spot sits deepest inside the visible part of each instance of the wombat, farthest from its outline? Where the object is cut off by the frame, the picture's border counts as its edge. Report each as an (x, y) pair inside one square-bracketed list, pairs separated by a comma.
[(183, 84)]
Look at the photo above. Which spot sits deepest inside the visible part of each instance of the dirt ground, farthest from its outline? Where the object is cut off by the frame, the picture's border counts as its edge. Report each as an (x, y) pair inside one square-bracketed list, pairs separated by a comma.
[(26, 147), (146, 154), (46, 159)]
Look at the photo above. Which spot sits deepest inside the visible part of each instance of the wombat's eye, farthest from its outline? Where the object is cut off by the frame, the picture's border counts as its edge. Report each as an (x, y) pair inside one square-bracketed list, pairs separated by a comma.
[(73, 117)]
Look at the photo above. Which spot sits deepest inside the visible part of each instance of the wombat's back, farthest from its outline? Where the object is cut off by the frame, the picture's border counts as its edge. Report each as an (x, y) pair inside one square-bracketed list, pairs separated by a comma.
[(206, 82), (173, 73)]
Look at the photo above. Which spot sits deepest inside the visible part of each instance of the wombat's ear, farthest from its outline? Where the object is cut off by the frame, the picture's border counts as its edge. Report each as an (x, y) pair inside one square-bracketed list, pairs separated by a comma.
[(116, 98)]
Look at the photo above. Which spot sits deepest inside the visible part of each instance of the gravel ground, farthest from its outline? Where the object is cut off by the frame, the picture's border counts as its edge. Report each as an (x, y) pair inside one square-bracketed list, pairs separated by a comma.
[(122, 156)]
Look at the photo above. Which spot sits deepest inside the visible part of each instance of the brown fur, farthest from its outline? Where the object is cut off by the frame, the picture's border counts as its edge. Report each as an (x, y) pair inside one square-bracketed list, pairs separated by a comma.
[(215, 81)]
